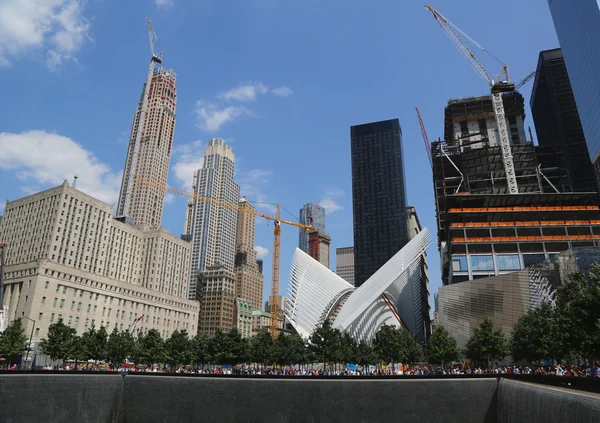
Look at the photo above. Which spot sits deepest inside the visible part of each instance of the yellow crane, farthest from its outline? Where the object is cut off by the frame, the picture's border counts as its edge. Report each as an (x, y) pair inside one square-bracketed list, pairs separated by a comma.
[(277, 221)]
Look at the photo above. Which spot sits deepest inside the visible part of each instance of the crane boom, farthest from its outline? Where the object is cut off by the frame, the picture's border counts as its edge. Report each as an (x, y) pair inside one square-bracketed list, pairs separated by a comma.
[(525, 80), (453, 34), (273, 303), (497, 88), (134, 145), (425, 137)]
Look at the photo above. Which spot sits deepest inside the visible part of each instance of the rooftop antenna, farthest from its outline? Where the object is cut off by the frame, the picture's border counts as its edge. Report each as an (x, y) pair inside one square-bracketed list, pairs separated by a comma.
[(74, 184)]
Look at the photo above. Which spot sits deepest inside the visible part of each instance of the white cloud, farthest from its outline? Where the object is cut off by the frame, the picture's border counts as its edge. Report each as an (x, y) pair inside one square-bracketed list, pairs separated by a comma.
[(330, 200), (164, 3), (188, 158), (262, 251), (251, 185), (210, 118), (245, 92), (282, 91), (169, 198), (46, 159), (57, 28)]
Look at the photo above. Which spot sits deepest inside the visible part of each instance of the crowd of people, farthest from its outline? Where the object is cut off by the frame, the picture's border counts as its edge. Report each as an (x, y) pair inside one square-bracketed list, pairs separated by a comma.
[(397, 370)]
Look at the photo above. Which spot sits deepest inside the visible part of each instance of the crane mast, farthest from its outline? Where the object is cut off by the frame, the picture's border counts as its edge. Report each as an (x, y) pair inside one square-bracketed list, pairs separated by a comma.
[(137, 140), (497, 87), (274, 304)]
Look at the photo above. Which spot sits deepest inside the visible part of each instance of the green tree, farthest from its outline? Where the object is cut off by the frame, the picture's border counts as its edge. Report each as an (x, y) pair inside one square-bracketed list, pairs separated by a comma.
[(388, 345), (93, 344), (151, 348), (442, 348), (577, 316), (365, 355), (119, 346), (297, 349), (218, 347), (349, 349), (290, 349), (200, 349), (236, 347), (410, 351), (60, 342), (534, 337), (13, 341), (262, 349), (326, 345), (486, 344), (179, 348)]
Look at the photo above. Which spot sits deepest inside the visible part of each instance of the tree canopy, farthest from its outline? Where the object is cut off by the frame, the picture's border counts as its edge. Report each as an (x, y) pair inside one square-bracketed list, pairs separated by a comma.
[(13, 341), (487, 344), (442, 347), (61, 341)]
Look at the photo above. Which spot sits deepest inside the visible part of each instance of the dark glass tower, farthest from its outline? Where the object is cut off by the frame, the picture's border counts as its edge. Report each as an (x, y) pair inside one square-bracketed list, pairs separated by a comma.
[(577, 26), (557, 120), (378, 195)]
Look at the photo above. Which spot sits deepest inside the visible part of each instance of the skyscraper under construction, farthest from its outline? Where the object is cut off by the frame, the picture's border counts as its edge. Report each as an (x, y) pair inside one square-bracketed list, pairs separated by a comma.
[(154, 153), (484, 230)]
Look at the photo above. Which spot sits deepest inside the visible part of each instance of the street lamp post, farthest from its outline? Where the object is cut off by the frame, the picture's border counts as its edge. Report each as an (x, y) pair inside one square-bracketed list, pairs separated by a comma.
[(30, 337)]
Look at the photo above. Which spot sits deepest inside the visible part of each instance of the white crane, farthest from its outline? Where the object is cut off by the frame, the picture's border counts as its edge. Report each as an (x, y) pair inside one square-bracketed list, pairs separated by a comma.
[(129, 181), (498, 87)]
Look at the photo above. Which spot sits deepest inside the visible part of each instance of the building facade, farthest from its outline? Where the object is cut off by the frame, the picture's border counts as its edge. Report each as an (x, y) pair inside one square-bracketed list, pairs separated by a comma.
[(391, 296), (482, 229), (154, 156), (578, 31), (378, 195), (414, 228), (461, 308), (314, 215), (211, 227), (244, 317), (248, 271), (261, 321), (557, 119), (319, 245), (471, 123), (344, 264), (68, 258)]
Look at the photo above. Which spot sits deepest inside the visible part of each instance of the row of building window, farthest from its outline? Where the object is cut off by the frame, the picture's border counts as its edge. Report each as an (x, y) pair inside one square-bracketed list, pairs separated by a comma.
[(485, 263)]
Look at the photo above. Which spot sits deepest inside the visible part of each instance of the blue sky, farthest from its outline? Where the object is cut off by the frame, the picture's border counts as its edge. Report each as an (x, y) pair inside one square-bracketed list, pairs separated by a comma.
[(281, 81)]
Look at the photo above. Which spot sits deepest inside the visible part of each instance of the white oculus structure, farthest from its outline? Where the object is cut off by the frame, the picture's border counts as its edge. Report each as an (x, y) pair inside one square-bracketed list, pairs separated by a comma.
[(390, 297)]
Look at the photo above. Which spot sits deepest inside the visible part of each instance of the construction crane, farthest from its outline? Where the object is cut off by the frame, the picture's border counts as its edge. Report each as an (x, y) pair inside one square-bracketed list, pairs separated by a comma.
[(135, 145), (498, 86), (277, 221), (425, 137)]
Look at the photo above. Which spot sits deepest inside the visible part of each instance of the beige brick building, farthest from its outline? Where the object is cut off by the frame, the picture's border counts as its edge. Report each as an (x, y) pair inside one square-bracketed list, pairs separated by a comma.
[(67, 257), (248, 277)]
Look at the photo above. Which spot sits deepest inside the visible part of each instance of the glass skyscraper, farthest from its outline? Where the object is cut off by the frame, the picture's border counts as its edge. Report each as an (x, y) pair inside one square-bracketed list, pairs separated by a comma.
[(557, 120), (578, 28), (378, 195), (314, 215)]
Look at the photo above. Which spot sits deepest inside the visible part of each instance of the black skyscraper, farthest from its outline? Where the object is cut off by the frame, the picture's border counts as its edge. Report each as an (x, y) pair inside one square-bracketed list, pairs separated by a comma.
[(378, 195), (557, 120)]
